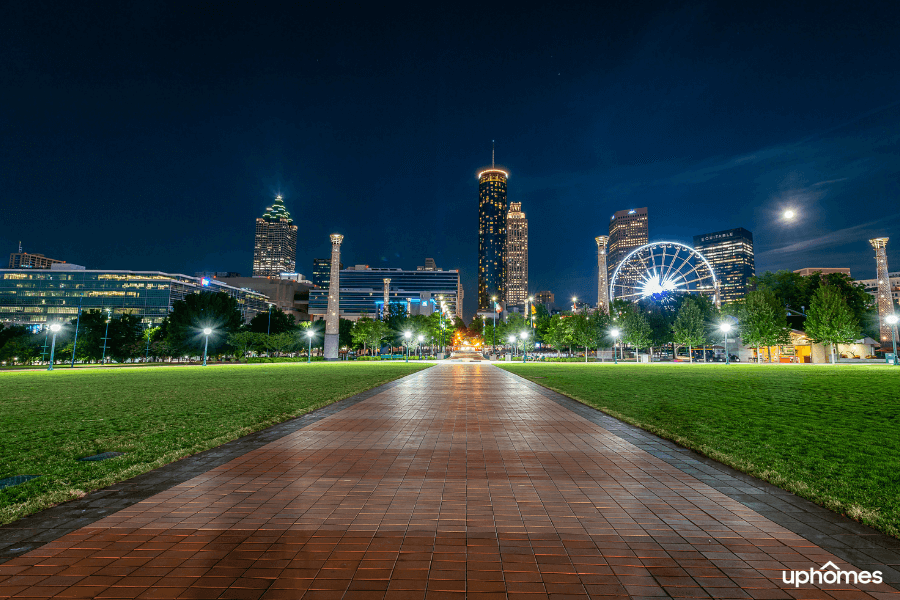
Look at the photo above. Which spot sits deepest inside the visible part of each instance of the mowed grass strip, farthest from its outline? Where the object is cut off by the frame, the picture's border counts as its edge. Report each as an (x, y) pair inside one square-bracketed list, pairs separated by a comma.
[(154, 415), (830, 434)]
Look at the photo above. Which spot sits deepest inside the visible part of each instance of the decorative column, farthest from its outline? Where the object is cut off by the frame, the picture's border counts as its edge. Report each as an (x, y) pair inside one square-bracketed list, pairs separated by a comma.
[(602, 285), (884, 299), (387, 289), (332, 319)]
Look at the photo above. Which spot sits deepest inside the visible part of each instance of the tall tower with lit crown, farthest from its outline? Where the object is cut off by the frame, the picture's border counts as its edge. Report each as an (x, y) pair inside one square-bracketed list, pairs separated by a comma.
[(885, 302), (492, 212), (275, 249), (516, 255), (602, 279)]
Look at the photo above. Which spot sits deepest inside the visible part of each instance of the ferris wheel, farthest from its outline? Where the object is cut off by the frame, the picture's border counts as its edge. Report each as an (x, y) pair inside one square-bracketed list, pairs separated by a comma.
[(662, 268)]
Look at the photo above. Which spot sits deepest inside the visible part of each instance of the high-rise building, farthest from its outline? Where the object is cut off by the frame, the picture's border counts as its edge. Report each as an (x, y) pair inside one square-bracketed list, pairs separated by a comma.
[(275, 250), (492, 211), (321, 276), (546, 298), (429, 265), (731, 255), (628, 229), (516, 255)]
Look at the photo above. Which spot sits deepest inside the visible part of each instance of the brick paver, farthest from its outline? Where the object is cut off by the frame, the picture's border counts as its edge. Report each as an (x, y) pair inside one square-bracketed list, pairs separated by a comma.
[(459, 481)]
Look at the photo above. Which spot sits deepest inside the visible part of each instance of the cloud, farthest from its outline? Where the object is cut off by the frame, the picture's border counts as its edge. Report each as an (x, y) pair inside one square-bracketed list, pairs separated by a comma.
[(837, 238)]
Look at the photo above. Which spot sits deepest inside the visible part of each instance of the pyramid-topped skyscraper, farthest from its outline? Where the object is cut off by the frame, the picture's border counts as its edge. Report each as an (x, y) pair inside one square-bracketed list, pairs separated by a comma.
[(275, 250)]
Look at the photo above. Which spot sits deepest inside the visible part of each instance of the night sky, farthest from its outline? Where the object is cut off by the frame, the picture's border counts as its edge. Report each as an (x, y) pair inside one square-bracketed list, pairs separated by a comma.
[(149, 136)]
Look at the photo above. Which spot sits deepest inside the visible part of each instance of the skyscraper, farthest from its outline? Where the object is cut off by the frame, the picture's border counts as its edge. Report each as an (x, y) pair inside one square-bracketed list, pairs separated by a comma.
[(275, 250), (731, 255), (516, 255), (628, 229), (492, 211), (321, 276)]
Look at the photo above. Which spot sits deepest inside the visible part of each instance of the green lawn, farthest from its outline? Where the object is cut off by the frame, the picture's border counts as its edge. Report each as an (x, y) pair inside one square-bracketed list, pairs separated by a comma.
[(828, 433), (155, 415)]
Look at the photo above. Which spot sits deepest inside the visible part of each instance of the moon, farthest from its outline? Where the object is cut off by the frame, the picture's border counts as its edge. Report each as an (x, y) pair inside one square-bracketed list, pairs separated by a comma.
[(789, 214)]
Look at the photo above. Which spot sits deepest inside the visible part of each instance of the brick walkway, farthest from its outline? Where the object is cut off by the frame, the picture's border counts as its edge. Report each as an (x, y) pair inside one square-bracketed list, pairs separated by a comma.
[(459, 481)]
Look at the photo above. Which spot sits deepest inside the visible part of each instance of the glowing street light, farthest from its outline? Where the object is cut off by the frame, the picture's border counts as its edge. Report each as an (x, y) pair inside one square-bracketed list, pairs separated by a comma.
[(420, 339), (310, 334), (206, 332), (524, 336), (407, 335), (512, 342), (106, 337), (615, 334), (55, 329), (892, 321), (725, 328)]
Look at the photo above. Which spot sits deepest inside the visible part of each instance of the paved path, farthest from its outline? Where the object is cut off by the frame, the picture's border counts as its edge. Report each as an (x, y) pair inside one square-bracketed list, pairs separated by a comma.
[(459, 481)]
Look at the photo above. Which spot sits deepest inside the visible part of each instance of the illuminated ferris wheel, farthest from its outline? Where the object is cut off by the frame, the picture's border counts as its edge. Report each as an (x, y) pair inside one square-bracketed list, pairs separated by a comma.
[(662, 268)]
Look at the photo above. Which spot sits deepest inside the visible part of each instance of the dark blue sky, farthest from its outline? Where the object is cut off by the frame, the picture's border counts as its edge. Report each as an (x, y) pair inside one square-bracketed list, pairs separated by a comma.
[(151, 135)]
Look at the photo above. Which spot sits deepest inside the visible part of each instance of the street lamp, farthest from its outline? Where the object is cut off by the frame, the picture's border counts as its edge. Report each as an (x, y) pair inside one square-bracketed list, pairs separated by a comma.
[(106, 337), (310, 334), (892, 321), (725, 328), (55, 329), (494, 330), (512, 342), (524, 336), (531, 312), (407, 335), (147, 350), (615, 334), (420, 339), (206, 332)]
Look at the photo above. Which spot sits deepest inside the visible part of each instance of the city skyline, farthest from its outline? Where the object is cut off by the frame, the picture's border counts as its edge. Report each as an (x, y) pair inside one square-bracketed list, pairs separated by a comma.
[(130, 153)]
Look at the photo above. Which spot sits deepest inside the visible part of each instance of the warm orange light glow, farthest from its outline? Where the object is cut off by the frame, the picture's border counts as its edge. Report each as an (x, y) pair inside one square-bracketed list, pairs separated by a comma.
[(504, 173)]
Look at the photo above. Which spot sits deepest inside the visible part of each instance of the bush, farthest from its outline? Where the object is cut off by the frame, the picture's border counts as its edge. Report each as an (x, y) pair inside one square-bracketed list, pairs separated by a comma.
[(368, 358), (282, 359)]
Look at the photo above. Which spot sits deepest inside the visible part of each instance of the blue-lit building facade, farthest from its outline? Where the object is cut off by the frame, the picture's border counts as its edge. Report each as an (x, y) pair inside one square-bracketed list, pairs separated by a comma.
[(362, 292), (730, 253), (492, 213), (33, 297)]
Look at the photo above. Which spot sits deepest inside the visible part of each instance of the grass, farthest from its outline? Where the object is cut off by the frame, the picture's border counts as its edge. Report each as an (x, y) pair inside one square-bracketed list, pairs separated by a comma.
[(830, 434), (154, 415)]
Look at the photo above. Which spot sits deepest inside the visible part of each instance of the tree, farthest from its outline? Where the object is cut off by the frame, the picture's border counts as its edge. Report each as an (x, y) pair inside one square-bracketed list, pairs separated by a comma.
[(125, 335), (241, 342), (282, 343), (689, 328), (830, 320), (560, 331), (582, 332), (763, 320), (280, 323), (184, 325), (637, 330)]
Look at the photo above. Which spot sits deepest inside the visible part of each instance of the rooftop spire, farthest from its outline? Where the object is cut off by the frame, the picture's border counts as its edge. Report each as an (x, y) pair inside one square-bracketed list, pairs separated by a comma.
[(493, 143)]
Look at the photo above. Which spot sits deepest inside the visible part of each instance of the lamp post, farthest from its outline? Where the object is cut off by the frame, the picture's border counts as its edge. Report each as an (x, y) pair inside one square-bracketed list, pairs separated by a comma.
[(512, 343), (531, 311), (77, 323), (615, 334), (309, 334), (494, 330), (55, 329), (206, 332), (106, 336), (419, 349), (574, 305), (407, 335), (725, 328), (892, 321), (524, 336), (147, 350)]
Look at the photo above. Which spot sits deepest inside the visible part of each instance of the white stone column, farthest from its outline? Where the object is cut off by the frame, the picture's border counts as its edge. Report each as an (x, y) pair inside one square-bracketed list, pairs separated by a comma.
[(602, 284), (884, 300), (387, 290), (332, 319)]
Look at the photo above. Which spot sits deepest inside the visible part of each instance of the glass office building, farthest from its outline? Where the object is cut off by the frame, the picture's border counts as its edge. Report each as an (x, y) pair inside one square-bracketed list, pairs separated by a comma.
[(362, 292), (32, 297), (731, 255)]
